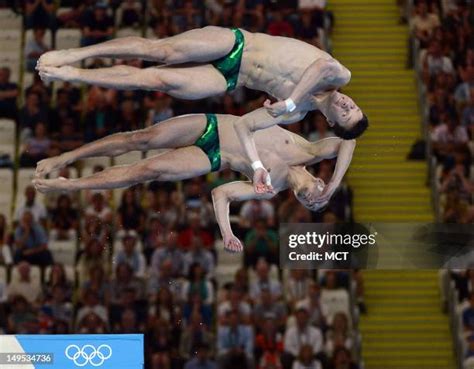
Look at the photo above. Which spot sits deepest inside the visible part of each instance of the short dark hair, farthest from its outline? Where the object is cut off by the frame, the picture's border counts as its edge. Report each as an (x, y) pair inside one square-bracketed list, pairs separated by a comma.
[(354, 132)]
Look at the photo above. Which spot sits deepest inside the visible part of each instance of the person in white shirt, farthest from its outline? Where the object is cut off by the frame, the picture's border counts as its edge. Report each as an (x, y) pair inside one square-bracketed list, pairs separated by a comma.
[(24, 285), (253, 210), (302, 333)]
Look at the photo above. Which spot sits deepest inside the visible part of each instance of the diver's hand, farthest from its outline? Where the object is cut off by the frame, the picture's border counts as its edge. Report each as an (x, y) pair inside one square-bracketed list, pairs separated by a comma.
[(326, 194), (232, 244), (276, 109), (262, 182)]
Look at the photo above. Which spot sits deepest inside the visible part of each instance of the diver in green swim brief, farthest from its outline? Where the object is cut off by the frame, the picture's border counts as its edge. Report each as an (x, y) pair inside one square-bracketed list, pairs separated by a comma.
[(209, 61), (200, 143)]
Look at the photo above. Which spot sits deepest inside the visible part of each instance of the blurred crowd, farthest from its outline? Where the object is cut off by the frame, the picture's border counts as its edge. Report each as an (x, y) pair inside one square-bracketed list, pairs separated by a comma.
[(443, 34), (147, 259)]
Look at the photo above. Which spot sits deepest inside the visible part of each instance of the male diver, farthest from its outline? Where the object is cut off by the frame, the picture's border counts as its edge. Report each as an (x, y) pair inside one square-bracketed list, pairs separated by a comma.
[(199, 144)]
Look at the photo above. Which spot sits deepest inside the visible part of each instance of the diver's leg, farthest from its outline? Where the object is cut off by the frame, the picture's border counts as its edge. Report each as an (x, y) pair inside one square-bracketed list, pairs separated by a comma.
[(198, 45), (179, 164)]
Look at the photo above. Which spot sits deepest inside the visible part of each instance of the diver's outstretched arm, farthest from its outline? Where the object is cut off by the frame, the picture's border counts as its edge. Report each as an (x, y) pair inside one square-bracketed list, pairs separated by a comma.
[(221, 198)]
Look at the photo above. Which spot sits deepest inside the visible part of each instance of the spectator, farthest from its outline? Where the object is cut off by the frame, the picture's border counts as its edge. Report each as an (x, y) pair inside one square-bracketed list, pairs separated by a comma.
[(194, 336), (131, 213), (198, 284), (34, 48), (269, 343), (306, 359), (123, 282), (234, 302), (201, 361), (100, 120), (31, 242), (39, 14), (302, 333), (92, 255), (91, 306), (24, 285), (22, 319), (339, 334), (157, 237), (307, 32), (423, 23), (168, 251), (435, 62), (97, 26), (279, 26), (312, 304), (296, 286), (57, 277), (8, 95), (440, 107), (59, 305), (130, 14), (99, 209), (6, 257), (462, 93), (63, 113), (261, 242), (128, 323), (160, 345), (31, 114), (198, 255), (235, 342), (68, 138), (342, 359), (165, 279), (98, 283), (268, 305), (195, 230), (130, 255), (163, 308), (65, 220), (449, 137), (254, 210), (263, 281), (37, 147), (250, 13)]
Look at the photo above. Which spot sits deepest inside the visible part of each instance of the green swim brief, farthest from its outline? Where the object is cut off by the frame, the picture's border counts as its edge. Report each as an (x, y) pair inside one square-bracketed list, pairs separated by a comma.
[(229, 65), (209, 142)]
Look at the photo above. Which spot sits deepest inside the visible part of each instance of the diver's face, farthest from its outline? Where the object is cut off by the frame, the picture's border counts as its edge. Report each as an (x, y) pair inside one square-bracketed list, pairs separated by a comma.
[(308, 194), (343, 110)]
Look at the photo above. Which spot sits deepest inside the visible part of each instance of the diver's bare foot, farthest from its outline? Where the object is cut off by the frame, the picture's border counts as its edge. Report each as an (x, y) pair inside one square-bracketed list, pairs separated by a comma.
[(65, 73), (50, 185), (57, 58), (233, 244), (46, 166)]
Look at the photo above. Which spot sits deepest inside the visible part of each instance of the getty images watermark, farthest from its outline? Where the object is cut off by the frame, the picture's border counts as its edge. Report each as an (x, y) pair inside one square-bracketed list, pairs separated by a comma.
[(314, 246), (322, 245)]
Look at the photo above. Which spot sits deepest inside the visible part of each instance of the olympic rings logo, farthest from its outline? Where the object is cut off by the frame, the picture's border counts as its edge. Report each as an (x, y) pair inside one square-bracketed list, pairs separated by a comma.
[(88, 354)]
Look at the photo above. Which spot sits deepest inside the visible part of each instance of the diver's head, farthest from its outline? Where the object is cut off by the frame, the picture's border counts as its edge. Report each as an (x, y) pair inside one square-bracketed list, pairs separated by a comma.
[(344, 116), (308, 191)]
